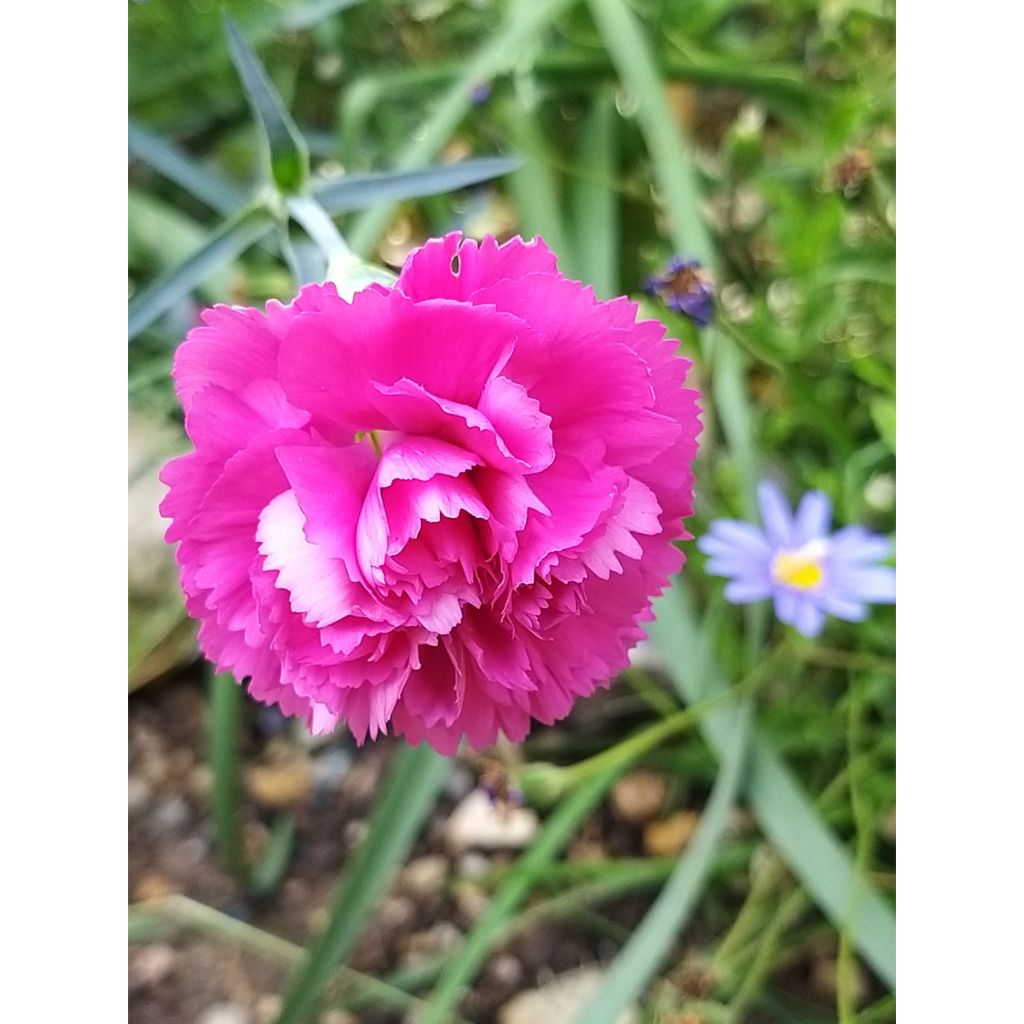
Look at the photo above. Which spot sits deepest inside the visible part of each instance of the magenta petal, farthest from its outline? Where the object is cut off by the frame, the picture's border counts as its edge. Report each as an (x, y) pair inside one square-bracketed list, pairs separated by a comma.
[(330, 360), (442, 509), (456, 268), (329, 485)]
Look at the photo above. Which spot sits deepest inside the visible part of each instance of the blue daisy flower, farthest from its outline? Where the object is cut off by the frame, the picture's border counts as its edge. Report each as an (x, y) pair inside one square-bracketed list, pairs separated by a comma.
[(808, 572)]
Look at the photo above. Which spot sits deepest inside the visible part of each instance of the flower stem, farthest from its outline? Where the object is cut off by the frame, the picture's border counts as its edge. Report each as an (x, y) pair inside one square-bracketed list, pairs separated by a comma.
[(648, 739), (320, 228), (226, 701)]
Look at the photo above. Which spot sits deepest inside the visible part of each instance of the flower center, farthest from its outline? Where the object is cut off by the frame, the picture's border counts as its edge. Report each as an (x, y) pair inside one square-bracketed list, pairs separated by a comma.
[(801, 568)]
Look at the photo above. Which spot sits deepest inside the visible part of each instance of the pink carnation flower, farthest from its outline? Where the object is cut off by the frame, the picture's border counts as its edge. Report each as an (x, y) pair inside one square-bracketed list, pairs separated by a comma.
[(444, 505)]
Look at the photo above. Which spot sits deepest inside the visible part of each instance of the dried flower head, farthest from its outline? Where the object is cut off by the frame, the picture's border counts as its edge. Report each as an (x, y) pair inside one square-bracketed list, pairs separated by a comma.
[(685, 287)]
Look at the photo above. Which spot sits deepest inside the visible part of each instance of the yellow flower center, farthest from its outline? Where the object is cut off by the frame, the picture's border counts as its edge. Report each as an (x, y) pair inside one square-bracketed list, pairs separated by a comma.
[(801, 568)]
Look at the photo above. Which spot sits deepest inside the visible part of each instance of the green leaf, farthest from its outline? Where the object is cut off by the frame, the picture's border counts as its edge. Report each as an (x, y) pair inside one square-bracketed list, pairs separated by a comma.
[(168, 160), (652, 941), (534, 187), (416, 779), (268, 872), (227, 700), (637, 66), (358, 191), (287, 151), (515, 887), (677, 182), (312, 12), (595, 200), (503, 50), (229, 241), (786, 815), (883, 412), (163, 917)]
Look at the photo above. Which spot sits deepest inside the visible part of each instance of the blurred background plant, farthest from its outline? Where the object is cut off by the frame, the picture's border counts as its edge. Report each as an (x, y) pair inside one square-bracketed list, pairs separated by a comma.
[(712, 840)]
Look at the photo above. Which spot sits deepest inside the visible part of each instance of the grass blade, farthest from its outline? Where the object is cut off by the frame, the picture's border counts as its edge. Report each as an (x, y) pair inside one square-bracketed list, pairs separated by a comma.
[(224, 245), (156, 918), (595, 201), (677, 182), (411, 792), (168, 160), (226, 702), (498, 55), (490, 927), (358, 191), (677, 178), (288, 152), (301, 16), (534, 186), (787, 817), (269, 870), (653, 939)]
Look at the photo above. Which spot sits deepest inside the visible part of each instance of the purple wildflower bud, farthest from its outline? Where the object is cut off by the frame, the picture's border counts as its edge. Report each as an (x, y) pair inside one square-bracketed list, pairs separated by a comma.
[(685, 287), (793, 559), (480, 93)]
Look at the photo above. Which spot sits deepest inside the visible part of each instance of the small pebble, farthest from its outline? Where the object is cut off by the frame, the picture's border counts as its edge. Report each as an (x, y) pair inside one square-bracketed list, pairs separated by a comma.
[(477, 822), (353, 833), (473, 865), (639, 796), (200, 782), (267, 1008), (667, 837), (440, 938), (329, 769), (561, 999), (459, 782), (505, 969), (338, 1017), (224, 1013), (150, 965), (153, 886), (423, 876), (138, 793), (283, 784), (396, 913), (472, 901), (168, 815)]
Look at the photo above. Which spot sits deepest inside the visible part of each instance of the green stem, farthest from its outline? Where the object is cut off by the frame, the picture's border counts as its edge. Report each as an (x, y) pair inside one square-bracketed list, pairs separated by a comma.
[(789, 910), (487, 931), (416, 778), (634, 747), (181, 912), (225, 702), (846, 995)]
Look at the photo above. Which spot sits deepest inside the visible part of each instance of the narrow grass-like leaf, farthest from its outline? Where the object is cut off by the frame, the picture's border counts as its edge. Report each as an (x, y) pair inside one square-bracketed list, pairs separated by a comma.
[(268, 872), (167, 159), (786, 815), (557, 831), (676, 177), (653, 939), (223, 738), (224, 245), (502, 50), (595, 204), (156, 918), (534, 187), (398, 815), (287, 151), (301, 16), (358, 191)]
